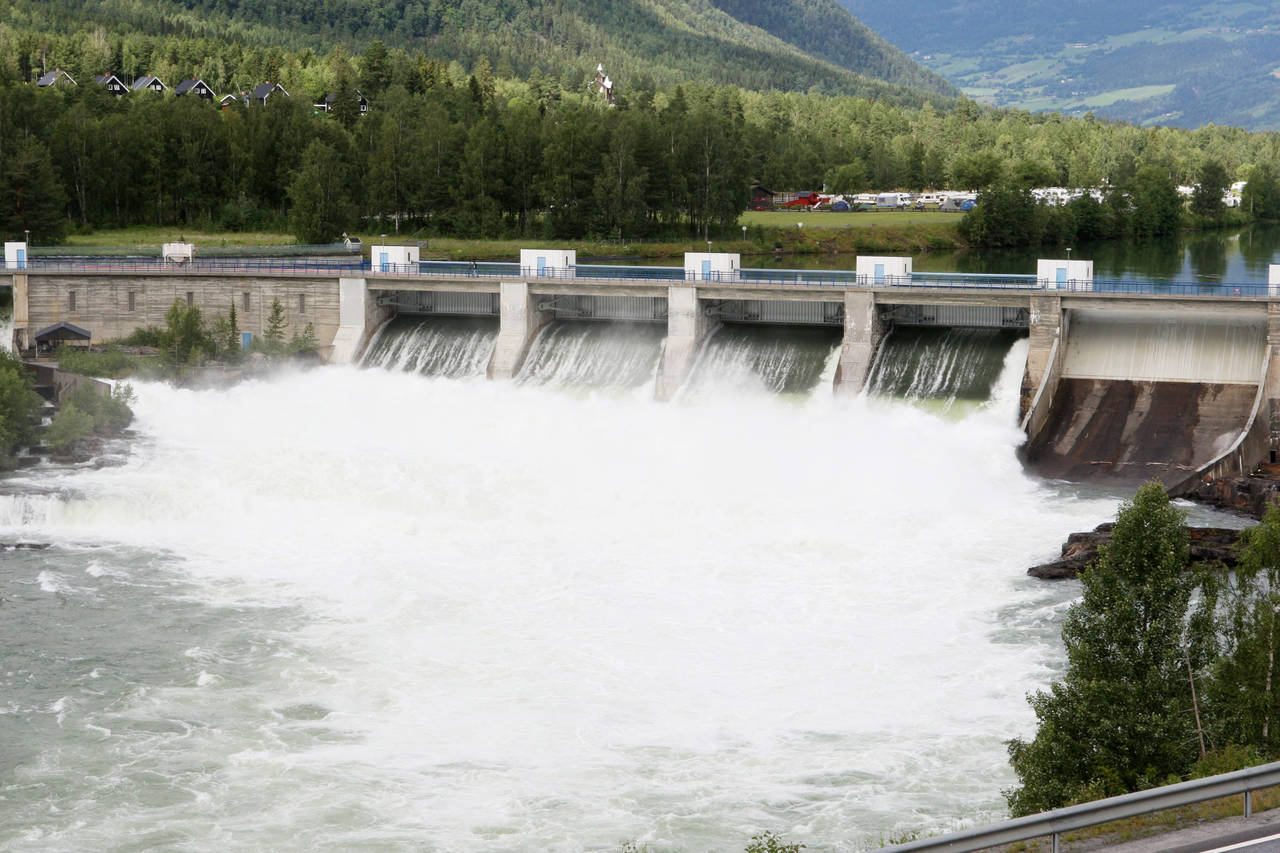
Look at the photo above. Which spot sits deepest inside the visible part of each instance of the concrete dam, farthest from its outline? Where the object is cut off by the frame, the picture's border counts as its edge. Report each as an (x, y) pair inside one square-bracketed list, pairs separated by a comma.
[(1123, 382)]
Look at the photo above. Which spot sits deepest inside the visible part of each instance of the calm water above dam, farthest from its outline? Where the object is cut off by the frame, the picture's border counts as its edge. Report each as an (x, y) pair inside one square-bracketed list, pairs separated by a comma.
[(400, 607)]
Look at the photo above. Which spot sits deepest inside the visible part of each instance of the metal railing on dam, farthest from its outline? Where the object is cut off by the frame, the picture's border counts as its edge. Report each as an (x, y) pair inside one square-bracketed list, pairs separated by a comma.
[(619, 273), (1054, 824)]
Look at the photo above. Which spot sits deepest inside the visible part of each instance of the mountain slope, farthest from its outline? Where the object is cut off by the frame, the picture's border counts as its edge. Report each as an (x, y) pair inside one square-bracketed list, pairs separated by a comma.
[(1184, 63), (761, 44)]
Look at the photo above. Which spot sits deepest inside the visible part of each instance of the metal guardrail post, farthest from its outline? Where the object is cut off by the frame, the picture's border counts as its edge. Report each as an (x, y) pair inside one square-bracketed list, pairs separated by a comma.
[(1056, 844), (1248, 803)]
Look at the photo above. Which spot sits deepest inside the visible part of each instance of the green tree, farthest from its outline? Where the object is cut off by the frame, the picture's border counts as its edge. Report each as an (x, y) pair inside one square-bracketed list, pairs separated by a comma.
[(846, 179), (18, 405), (31, 197), (1006, 215), (1243, 693), (1211, 186), (184, 338), (976, 171), (1261, 196), (1156, 206), (69, 426), (321, 195), (1120, 719), (273, 337)]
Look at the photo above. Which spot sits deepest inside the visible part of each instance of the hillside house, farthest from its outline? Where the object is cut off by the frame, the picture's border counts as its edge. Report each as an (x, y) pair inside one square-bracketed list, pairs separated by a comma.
[(603, 85), (228, 101), (326, 105), (199, 88), (149, 83), (56, 77), (267, 90), (113, 84)]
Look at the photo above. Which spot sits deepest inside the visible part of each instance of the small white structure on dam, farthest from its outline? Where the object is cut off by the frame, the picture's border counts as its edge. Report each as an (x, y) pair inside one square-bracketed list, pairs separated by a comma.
[(712, 266), (15, 256), (1273, 276), (548, 262), (881, 270), (394, 258), (178, 253), (1064, 275)]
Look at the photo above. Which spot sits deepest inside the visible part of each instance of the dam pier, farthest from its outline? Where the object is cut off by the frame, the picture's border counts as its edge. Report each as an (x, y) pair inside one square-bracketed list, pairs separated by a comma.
[(1123, 381)]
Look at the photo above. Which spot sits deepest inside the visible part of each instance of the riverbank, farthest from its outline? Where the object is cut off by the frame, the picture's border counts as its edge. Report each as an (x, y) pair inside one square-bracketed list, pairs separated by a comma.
[(871, 234)]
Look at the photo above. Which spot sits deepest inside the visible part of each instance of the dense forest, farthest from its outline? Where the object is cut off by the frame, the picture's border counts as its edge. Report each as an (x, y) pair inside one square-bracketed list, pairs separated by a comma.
[(794, 45), (445, 150)]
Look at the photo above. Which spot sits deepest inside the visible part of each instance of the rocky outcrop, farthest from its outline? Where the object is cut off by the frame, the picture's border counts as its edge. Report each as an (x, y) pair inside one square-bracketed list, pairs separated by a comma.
[(1250, 495), (1209, 545)]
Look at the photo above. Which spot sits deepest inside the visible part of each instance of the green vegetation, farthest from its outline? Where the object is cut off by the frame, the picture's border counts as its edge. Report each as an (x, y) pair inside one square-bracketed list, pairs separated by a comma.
[(1170, 673), (761, 44), (87, 411), (19, 405)]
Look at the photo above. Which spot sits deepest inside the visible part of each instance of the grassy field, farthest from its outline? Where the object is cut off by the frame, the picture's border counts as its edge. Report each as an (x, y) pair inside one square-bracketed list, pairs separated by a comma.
[(767, 232), (153, 238), (827, 219)]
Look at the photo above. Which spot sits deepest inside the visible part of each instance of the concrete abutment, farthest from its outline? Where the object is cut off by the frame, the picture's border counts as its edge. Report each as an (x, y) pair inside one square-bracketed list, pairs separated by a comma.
[(863, 332), (519, 323), (688, 326)]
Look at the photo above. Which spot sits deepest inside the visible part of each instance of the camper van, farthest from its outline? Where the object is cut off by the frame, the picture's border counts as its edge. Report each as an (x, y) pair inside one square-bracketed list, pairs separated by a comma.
[(890, 201)]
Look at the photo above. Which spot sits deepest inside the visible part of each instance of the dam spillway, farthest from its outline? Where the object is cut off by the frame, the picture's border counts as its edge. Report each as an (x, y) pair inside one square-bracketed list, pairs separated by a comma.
[(940, 366), (1150, 398), (588, 354), (453, 347), (774, 359)]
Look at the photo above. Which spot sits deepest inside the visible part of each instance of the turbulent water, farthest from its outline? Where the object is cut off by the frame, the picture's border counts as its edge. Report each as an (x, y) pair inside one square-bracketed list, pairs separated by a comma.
[(593, 354), (945, 367), (455, 347), (746, 359), (357, 609)]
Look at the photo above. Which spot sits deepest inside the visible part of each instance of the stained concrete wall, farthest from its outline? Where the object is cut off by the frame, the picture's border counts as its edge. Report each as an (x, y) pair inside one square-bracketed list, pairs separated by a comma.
[(1191, 347), (863, 332), (520, 322), (688, 327), (102, 302), (1047, 327)]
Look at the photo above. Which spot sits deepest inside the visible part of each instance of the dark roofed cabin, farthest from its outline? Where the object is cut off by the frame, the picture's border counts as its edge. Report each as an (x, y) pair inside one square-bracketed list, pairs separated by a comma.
[(266, 90), (199, 88), (327, 104), (232, 100), (57, 77), (149, 82), (113, 84), (50, 338)]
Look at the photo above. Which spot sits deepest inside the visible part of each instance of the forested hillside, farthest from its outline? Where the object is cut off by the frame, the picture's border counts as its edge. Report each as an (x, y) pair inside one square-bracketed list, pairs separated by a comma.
[(1185, 63), (795, 45)]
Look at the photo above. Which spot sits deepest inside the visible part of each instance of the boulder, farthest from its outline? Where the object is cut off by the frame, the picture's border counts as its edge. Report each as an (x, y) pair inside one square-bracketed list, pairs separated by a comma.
[(1208, 545)]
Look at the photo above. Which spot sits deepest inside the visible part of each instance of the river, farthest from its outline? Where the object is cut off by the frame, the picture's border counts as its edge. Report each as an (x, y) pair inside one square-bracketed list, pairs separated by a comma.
[(398, 607)]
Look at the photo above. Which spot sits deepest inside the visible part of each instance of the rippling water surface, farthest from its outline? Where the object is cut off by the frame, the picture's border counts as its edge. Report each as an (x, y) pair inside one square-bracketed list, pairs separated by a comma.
[(367, 609)]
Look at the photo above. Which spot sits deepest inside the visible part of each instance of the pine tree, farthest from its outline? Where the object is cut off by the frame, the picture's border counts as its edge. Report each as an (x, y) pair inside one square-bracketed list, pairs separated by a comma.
[(1120, 720), (32, 200), (273, 337)]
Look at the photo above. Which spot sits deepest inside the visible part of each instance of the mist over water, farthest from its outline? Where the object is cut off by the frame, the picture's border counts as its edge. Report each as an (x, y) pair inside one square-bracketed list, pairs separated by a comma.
[(364, 609)]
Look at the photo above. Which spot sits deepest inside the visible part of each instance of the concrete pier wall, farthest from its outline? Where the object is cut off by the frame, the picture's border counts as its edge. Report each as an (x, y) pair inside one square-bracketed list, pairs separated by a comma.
[(1048, 329), (519, 323), (359, 317), (863, 331), (688, 327), (113, 306)]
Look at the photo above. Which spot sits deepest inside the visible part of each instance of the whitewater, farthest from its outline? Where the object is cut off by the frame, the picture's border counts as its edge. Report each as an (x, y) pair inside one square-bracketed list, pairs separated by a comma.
[(369, 609)]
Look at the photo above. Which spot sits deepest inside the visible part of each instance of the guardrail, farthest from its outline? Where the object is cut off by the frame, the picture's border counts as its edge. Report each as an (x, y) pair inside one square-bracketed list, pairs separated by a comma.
[(1053, 824), (774, 277)]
